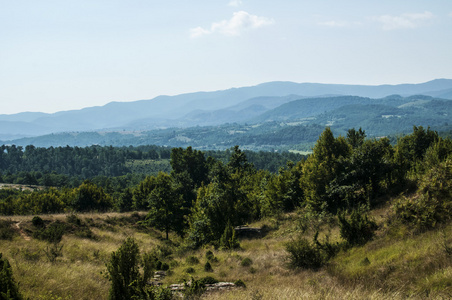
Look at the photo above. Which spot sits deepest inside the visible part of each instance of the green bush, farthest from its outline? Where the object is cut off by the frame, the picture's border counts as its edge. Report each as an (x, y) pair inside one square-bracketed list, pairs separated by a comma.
[(229, 240), (127, 282), (208, 267), (37, 221), (190, 270), (73, 219), (6, 230), (194, 290), (52, 234), (358, 229), (208, 280), (210, 256), (432, 203), (246, 262), (8, 286), (240, 283), (306, 255), (192, 260)]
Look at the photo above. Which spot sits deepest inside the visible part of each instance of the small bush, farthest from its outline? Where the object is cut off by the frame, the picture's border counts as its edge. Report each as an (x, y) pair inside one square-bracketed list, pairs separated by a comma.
[(229, 240), (6, 230), (8, 286), (432, 204), (208, 280), (190, 270), (303, 254), (37, 221), (194, 290), (192, 260), (73, 219), (208, 267), (357, 230), (209, 255), (240, 283), (53, 233), (246, 262)]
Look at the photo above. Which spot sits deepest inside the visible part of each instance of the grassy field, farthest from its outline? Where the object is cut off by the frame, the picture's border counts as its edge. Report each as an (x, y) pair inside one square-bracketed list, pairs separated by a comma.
[(396, 264)]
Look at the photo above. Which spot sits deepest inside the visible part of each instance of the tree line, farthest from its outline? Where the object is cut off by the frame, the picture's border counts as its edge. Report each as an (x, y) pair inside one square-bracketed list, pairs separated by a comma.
[(202, 196)]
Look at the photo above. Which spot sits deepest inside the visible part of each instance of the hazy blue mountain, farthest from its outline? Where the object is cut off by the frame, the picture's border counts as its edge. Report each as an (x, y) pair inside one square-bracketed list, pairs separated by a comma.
[(22, 117), (204, 108), (284, 127)]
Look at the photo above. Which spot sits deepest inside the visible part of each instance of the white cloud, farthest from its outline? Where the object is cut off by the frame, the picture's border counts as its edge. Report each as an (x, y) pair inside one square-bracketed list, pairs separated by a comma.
[(198, 31), (404, 21), (235, 3), (241, 21)]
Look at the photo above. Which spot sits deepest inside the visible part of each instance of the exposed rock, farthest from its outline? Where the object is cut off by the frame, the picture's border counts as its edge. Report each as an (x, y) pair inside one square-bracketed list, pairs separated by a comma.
[(249, 232)]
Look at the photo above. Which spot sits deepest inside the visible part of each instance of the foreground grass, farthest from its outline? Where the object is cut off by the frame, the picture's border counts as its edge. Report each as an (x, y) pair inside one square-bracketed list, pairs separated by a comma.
[(395, 265)]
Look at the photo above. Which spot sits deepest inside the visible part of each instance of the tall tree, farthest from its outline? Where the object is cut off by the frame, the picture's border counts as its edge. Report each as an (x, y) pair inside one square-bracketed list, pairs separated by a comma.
[(165, 206)]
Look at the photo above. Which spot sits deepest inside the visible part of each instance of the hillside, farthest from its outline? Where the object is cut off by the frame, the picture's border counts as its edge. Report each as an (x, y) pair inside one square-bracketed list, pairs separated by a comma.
[(293, 125), (201, 108)]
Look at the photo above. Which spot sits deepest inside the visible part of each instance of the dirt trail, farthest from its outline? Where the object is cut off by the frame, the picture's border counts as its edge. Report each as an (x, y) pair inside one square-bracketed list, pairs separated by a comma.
[(22, 233)]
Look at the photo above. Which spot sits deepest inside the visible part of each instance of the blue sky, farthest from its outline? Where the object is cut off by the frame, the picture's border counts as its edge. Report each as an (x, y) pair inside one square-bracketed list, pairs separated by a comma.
[(60, 55)]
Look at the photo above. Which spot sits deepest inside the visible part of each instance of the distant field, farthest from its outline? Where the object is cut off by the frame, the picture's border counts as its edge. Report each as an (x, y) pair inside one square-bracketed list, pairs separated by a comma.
[(21, 186), (148, 166), (300, 152)]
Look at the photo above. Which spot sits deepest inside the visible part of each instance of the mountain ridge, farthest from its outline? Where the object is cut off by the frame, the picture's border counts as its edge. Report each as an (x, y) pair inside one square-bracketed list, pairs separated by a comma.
[(166, 111)]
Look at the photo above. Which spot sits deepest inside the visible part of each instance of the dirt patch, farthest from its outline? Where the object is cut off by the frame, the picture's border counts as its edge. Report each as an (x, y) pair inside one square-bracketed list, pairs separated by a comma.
[(22, 232)]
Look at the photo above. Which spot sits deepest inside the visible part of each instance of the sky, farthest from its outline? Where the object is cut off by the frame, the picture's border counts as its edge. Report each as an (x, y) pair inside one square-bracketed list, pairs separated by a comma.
[(60, 55)]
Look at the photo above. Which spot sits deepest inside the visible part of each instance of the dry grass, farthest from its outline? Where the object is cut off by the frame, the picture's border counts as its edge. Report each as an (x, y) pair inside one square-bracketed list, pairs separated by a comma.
[(399, 266)]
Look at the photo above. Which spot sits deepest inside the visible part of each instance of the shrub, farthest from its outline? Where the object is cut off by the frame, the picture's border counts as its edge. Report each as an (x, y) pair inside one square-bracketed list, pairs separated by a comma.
[(6, 230), (240, 283), (8, 286), (432, 205), (192, 260), (124, 274), (246, 262), (303, 254), (210, 256), (190, 270), (53, 233), (194, 290), (208, 280), (357, 230), (229, 240), (37, 221), (208, 267)]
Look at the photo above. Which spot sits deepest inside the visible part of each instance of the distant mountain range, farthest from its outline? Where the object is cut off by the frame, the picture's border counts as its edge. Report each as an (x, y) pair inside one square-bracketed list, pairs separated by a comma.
[(305, 104)]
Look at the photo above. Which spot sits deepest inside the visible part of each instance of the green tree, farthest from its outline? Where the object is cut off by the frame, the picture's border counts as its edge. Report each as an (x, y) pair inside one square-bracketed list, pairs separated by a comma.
[(356, 137), (89, 197), (165, 206), (191, 161), (410, 150), (284, 192), (321, 168), (8, 287)]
